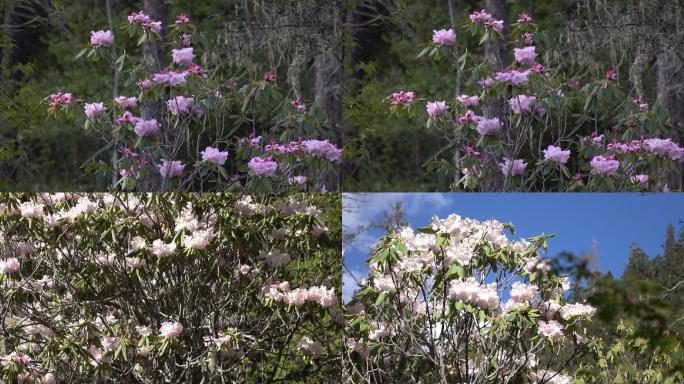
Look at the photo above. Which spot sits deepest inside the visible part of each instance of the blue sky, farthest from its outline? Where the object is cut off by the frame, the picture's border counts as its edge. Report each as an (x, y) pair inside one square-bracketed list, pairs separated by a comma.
[(613, 222)]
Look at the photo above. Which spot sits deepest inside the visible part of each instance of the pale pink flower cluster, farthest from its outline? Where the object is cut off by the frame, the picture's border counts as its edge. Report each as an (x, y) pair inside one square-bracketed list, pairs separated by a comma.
[(443, 37), (180, 105), (521, 293), (101, 38), (31, 210), (60, 99), (403, 98), (526, 55), (145, 21), (665, 148), (551, 329), (214, 155), (281, 292), (168, 169), (486, 19), (471, 291), (200, 239), (513, 76), (487, 126), (322, 149), (276, 258), (126, 102), (171, 330), (312, 347), (577, 310), (522, 103), (168, 78), (145, 127), (553, 153), (9, 265), (182, 56), (436, 108), (468, 101), (161, 249), (262, 166), (94, 110), (511, 167), (605, 166)]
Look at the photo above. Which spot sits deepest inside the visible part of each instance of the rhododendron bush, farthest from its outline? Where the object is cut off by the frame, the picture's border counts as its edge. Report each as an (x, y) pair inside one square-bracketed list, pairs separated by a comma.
[(526, 126), (169, 288), (193, 127), (459, 302)]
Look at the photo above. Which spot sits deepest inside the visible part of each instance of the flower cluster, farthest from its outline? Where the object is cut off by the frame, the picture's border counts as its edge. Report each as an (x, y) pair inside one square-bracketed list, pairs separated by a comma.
[(444, 286), (155, 143), (133, 265), (516, 130)]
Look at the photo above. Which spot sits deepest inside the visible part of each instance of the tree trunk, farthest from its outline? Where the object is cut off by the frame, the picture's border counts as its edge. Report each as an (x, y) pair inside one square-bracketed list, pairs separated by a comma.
[(671, 86), (154, 52), (497, 50), (329, 79)]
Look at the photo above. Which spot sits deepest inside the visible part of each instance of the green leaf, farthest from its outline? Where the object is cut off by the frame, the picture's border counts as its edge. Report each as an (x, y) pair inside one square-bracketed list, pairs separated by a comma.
[(380, 299), (81, 53), (423, 52)]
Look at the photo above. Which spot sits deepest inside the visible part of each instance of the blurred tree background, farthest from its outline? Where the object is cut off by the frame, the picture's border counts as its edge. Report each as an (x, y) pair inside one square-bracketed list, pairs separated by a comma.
[(300, 41), (640, 39)]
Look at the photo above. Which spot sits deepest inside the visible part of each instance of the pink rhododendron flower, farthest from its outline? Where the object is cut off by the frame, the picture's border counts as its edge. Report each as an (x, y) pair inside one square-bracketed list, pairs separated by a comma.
[(403, 98), (172, 78), (512, 168), (170, 169), (146, 127), (182, 56), (31, 210), (556, 154), (94, 110), (484, 296), (186, 40), (312, 347), (9, 265), (522, 103), (443, 37), (213, 155), (126, 102), (488, 126), (468, 101), (641, 179), (145, 21), (322, 149), (297, 297), (60, 99), (525, 55), (101, 38), (521, 293), (270, 76), (180, 105), (171, 330), (605, 166), (182, 18), (436, 108), (49, 378), (575, 310), (520, 77), (528, 38), (262, 167), (551, 328), (612, 75), (469, 117), (524, 17), (298, 105), (664, 147)]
